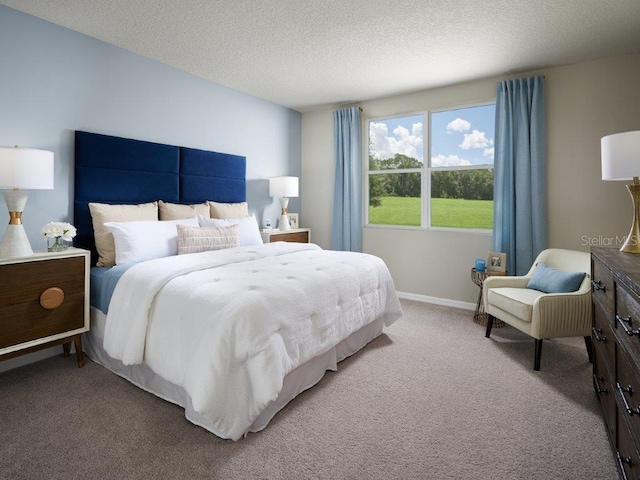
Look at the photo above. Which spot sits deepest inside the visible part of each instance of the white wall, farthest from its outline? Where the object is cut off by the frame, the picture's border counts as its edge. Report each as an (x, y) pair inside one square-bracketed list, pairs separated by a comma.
[(584, 102)]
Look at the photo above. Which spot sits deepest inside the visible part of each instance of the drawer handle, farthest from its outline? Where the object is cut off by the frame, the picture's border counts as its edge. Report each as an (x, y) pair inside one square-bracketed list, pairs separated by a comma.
[(599, 389), (52, 298), (622, 391), (623, 321), (598, 285), (596, 332), (622, 460)]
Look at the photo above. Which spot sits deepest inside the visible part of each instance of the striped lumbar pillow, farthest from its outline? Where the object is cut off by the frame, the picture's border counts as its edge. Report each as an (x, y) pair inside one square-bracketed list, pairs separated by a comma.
[(203, 239)]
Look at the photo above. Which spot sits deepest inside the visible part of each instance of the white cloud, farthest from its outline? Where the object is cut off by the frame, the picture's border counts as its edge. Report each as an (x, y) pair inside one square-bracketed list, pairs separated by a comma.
[(458, 125), (475, 139), (488, 152), (402, 141), (448, 161)]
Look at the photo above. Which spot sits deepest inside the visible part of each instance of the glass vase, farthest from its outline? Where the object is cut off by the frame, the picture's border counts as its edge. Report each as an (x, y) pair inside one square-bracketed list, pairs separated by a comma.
[(56, 244)]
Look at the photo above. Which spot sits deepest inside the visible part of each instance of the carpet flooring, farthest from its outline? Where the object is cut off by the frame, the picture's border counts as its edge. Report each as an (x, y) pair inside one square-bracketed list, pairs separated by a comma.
[(431, 398)]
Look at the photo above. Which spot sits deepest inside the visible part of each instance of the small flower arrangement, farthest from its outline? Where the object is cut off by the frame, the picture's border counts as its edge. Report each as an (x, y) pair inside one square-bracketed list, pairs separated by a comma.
[(57, 234)]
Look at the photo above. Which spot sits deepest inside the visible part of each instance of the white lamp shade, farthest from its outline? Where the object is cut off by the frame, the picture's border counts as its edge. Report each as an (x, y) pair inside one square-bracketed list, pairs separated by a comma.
[(283, 187), (621, 156), (26, 168)]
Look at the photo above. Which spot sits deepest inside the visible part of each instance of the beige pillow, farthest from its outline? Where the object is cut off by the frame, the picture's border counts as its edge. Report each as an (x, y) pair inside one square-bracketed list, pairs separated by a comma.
[(228, 210), (102, 213), (175, 211), (204, 239)]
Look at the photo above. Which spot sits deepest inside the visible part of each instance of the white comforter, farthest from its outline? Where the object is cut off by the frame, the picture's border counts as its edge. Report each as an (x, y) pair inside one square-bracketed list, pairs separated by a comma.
[(228, 325)]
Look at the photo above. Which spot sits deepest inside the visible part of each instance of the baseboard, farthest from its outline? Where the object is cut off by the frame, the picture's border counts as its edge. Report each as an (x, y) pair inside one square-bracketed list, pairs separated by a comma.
[(438, 301), (23, 360)]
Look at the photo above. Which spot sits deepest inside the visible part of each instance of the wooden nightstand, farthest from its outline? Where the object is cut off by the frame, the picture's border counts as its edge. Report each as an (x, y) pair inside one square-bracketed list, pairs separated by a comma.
[(300, 235), (44, 301)]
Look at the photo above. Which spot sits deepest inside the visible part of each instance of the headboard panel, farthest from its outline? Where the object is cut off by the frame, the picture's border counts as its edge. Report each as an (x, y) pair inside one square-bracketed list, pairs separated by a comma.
[(125, 171), (203, 174)]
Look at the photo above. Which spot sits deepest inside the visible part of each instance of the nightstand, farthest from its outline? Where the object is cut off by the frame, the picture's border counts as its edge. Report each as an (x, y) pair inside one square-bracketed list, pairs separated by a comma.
[(300, 235), (44, 301)]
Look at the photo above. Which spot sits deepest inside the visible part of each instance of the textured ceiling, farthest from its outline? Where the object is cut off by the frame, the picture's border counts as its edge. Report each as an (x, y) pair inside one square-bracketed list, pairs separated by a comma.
[(307, 54)]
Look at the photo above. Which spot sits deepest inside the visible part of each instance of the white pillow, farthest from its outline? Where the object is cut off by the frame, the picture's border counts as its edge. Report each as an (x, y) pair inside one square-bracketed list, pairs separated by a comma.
[(139, 241), (248, 230)]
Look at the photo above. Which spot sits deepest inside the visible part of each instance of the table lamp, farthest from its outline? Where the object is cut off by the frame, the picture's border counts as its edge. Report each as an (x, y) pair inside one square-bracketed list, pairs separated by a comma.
[(283, 187), (621, 161), (21, 168)]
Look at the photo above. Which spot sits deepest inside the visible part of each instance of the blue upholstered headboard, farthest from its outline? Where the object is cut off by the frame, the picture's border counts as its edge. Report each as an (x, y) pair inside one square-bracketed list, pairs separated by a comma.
[(124, 171)]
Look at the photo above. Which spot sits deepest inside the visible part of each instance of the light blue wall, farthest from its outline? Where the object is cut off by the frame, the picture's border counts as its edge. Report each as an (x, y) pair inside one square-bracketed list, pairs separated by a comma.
[(54, 81)]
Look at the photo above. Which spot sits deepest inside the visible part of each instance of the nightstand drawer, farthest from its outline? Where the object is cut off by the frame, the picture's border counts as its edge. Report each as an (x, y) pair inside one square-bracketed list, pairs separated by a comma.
[(25, 282), (24, 322), (602, 287), (300, 237), (22, 317)]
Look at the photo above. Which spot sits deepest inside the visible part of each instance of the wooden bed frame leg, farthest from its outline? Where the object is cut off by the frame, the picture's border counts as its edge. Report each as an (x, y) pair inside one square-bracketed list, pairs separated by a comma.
[(489, 325), (537, 354)]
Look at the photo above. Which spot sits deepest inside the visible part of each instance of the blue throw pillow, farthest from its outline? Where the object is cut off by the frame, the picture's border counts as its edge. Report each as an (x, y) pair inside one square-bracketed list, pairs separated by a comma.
[(549, 280)]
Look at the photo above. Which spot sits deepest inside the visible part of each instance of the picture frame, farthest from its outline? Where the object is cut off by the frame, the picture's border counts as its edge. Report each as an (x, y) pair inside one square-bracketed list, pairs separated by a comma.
[(293, 220), (497, 262)]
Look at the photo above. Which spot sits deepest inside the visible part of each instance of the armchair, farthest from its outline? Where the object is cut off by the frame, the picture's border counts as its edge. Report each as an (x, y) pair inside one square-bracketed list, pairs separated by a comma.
[(538, 314)]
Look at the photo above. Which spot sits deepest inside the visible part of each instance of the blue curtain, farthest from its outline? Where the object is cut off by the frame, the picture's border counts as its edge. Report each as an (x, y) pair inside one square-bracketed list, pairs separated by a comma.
[(520, 173), (347, 199)]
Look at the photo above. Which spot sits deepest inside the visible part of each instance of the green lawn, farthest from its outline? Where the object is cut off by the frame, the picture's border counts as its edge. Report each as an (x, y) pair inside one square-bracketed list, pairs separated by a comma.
[(445, 212)]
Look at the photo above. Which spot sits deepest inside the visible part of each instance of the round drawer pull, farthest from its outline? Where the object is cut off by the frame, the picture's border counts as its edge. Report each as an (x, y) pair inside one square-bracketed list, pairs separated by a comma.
[(51, 298)]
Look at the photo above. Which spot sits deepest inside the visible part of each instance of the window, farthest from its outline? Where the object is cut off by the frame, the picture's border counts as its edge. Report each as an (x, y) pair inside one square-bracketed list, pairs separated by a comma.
[(454, 189)]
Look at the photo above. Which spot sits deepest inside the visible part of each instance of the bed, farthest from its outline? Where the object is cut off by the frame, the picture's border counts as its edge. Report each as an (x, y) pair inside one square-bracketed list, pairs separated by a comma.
[(230, 335)]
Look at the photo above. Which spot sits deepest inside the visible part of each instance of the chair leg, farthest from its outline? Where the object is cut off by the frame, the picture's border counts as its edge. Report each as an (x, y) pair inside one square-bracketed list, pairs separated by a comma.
[(489, 325), (537, 353), (587, 342)]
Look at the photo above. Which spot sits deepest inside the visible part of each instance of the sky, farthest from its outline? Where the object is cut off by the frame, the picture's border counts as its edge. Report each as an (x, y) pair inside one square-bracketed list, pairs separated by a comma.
[(459, 137)]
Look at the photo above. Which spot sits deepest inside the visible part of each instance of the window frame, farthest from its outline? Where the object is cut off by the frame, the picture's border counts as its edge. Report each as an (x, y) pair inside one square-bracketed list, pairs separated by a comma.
[(425, 171)]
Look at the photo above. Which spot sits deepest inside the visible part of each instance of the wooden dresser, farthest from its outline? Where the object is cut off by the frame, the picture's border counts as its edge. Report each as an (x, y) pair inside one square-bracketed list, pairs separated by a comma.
[(615, 280), (44, 301)]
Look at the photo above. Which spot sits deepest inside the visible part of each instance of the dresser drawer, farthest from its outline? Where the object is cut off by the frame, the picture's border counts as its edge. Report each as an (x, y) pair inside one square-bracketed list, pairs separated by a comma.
[(627, 455), (22, 317), (627, 320), (605, 389), (628, 390), (602, 286), (602, 337)]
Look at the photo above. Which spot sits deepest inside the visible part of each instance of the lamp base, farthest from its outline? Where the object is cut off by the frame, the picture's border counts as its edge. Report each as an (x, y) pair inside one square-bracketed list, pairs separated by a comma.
[(15, 243), (632, 244), (284, 222)]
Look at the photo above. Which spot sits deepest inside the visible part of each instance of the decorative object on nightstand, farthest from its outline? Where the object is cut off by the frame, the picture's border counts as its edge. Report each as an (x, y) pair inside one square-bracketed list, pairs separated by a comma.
[(478, 277), (299, 235), (21, 168), (44, 301), (293, 220), (59, 235), (285, 188), (621, 161)]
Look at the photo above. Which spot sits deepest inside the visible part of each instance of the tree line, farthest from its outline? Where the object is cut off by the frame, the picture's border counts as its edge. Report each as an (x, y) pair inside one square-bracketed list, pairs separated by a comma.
[(474, 184)]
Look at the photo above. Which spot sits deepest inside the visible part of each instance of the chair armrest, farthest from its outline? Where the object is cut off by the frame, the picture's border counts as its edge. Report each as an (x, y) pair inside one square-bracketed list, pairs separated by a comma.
[(562, 315), (498, 282)]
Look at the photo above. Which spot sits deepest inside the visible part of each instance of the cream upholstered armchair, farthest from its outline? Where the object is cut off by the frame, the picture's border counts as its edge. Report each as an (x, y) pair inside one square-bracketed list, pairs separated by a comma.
[(539, 314)]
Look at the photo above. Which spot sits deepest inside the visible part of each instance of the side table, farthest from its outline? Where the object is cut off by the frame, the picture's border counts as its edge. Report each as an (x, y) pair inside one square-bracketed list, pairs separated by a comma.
[(480, 317)]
